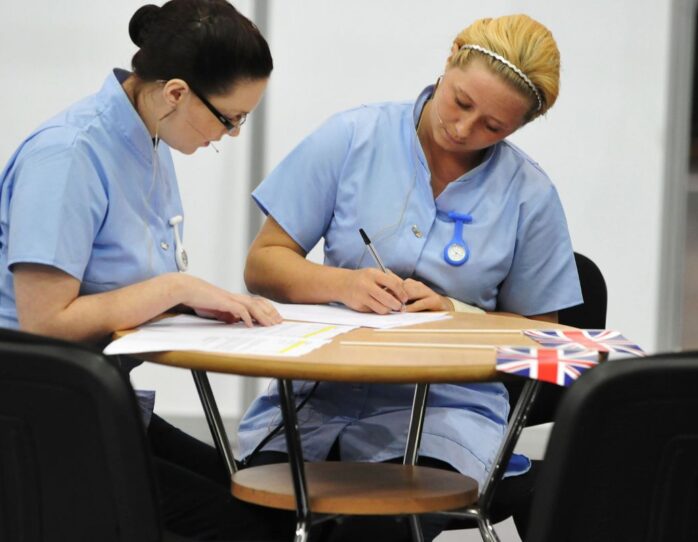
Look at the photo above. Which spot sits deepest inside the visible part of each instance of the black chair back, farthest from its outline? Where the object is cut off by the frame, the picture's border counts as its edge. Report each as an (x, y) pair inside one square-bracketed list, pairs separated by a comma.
[(74, 463), (621, 460), (591, 314)]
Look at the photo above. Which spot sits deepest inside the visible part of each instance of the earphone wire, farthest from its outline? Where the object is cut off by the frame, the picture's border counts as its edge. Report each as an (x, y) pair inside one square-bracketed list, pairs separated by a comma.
[(381, 234), (202, 135), (146, 196), (146, 199)]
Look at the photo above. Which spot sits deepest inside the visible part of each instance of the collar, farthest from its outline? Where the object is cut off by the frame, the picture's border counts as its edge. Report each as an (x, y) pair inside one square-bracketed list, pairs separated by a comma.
[(121, 113)]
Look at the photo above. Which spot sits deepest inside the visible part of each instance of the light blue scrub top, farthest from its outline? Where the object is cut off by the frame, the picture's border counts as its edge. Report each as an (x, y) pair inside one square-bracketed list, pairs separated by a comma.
[(365, 168), (80, 195)]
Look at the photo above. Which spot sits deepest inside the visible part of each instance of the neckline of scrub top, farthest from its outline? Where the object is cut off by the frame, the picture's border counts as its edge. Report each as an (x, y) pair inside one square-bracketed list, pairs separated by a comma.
[(125, 116), (422, 99)]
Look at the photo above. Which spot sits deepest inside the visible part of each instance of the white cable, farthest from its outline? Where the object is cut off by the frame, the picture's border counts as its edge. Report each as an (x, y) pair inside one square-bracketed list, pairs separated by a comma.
[(180, 254)]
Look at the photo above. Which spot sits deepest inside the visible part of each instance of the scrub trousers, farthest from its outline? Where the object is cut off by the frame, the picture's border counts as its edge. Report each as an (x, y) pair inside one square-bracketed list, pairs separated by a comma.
[(194, 492)]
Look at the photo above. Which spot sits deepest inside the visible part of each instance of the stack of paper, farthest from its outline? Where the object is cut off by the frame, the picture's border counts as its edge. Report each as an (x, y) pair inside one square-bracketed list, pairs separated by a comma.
[(193, 333), (339, 314)]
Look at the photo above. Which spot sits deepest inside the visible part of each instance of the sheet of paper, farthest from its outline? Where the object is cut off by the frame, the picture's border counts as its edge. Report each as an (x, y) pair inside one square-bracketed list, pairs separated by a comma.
[(336, 314), (192, 333)]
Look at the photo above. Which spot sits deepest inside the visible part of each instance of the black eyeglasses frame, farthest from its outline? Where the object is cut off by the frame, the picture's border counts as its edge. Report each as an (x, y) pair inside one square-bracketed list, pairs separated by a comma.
[(229, 124)]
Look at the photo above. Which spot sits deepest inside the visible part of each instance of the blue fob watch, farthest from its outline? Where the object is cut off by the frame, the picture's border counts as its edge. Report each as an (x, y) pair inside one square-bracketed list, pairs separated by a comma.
[(456, 251)]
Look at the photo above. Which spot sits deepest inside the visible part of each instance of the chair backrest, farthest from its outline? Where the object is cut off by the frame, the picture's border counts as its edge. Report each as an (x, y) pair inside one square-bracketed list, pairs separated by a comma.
[(74, 463), (622, 459), (591, 314)]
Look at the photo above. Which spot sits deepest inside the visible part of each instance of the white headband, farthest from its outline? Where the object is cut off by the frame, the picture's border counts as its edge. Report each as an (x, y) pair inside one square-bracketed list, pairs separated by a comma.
[(509, 65)]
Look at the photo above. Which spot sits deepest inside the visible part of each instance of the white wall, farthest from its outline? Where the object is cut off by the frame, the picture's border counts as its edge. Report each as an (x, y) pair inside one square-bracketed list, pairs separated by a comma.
[(604, 143)]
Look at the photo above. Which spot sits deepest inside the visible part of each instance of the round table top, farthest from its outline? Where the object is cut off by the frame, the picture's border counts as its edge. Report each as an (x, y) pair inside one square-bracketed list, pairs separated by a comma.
[(385, 363)]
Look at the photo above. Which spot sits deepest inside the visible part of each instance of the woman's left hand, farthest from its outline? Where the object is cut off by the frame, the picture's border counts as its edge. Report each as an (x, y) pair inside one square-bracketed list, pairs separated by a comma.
[(423, 298)]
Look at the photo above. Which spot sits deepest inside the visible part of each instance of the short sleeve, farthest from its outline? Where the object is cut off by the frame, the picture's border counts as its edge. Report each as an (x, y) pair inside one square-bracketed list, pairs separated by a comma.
[(57, 205), (543, 276), (300, 193)]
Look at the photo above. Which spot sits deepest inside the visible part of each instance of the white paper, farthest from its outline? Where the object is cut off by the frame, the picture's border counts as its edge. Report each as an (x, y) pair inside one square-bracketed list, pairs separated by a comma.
[(339, 314), (193, 333)]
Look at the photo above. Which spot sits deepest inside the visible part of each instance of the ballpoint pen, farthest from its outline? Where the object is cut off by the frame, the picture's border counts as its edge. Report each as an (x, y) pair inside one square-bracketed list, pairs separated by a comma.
[(372, 250), (375, 255)]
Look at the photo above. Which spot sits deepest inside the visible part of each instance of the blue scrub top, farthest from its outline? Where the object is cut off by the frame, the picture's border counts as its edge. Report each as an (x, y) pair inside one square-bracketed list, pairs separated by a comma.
[(84, 194), (365, 168), (87, 193)]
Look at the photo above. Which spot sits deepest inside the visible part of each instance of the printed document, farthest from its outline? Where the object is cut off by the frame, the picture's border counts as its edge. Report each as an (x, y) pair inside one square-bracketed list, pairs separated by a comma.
[(186, 332)]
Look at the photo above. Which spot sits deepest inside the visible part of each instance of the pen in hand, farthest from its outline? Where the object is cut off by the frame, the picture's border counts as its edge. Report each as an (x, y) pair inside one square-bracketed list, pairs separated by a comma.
[(372, 250), (375, 255)]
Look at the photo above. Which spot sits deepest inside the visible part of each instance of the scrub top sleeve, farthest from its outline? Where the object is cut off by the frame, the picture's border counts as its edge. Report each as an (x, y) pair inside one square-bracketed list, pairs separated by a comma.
[(543, 276), (300, 193), (57, 206)]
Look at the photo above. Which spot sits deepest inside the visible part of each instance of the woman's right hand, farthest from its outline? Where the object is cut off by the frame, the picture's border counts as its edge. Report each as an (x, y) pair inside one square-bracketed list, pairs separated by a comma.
[(211, 301), (49, 303), (371, 290)]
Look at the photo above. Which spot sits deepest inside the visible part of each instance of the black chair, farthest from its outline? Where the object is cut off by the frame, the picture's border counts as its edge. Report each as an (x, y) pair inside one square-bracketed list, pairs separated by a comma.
[(591, 314), (74, 461), (621, 459)]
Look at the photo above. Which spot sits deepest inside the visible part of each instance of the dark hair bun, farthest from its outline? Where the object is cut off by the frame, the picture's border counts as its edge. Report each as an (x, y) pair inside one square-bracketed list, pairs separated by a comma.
[(141, 22), (207, 43)]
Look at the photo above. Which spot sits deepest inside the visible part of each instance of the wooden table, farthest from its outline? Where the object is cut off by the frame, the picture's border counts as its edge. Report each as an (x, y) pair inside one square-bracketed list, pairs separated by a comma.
[(437, 362)]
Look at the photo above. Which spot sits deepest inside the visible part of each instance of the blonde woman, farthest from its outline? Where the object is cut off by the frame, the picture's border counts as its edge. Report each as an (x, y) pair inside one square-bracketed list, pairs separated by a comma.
[(463, 219)]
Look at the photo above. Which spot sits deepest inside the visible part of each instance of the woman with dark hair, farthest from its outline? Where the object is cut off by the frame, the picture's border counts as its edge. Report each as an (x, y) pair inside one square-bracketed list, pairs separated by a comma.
[(90, 215)]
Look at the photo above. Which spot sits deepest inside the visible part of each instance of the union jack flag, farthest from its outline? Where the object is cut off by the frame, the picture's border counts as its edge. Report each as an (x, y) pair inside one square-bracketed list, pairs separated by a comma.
[(603, 340), (561, 366)]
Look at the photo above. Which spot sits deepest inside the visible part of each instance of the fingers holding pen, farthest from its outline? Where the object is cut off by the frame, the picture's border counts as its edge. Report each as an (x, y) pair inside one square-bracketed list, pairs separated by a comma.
[(372, 290), (423, 298), (394, 287)]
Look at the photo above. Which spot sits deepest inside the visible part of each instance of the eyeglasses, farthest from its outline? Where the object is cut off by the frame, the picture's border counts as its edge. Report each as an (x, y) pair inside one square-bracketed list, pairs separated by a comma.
[(230, 124)]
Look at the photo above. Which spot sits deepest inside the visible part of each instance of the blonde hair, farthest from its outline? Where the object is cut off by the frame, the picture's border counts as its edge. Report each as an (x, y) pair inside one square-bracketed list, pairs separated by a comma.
[(524, 42)]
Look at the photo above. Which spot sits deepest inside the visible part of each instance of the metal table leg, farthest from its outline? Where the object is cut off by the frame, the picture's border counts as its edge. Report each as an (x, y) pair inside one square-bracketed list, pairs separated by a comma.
[(516, 425), (414, 434), (480, 512), (215, 423), (295, 456), (487, 531), (414, 437)]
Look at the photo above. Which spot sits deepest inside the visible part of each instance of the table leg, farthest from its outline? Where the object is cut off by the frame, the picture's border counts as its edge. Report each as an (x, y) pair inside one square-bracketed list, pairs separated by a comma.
[(215, 423), (414, 434), (514, 428), (480, 512), (487, 531), (414, 437), (295, 457)]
